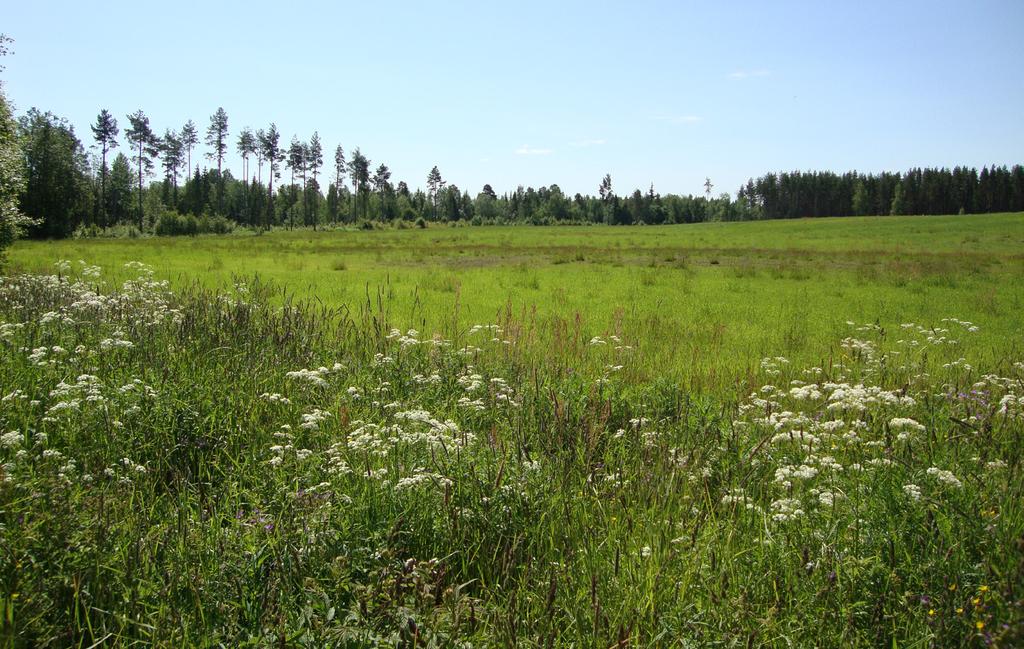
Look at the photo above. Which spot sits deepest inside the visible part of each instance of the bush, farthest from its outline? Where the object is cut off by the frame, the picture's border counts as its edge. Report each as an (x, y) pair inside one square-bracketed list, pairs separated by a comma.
[(215, 225), (172, 224)]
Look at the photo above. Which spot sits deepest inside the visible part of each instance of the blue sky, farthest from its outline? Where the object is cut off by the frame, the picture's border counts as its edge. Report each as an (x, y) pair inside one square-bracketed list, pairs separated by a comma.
[(536, 93)]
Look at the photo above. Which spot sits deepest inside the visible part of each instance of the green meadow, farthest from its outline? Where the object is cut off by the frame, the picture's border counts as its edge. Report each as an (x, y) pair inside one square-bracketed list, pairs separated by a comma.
[(778, 434), (704, 302)]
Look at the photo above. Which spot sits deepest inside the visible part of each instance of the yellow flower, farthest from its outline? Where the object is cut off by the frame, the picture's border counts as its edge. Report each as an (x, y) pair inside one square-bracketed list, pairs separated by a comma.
[(979, 625), (960, 610), (984, 589), (931, 611), (952, 587), (976, 601)]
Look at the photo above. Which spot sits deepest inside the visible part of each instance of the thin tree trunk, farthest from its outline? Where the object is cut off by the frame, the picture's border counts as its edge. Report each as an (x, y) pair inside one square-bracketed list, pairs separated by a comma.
[(103, 190), (140, 186), (270, 195)]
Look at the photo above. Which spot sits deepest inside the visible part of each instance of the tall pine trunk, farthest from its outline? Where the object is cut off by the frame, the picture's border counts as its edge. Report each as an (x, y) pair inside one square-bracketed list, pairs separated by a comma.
[(140, 185), (270, 195), (103, 191)]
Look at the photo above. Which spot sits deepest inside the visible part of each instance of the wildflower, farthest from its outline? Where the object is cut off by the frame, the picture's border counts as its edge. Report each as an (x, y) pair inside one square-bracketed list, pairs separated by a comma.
[(786, 509), (802, 472), (734, 496), (311, 420), (945, 477), (828, 498), (906, 427), (913, 491), (316, 377), (807, 392)]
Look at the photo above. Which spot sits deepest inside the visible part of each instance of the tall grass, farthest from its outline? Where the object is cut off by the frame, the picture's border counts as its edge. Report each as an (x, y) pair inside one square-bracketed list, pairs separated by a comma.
[(238, 468)]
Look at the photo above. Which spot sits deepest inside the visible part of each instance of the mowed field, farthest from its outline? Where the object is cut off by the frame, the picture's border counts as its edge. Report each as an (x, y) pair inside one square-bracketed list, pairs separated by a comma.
[(703, 303)]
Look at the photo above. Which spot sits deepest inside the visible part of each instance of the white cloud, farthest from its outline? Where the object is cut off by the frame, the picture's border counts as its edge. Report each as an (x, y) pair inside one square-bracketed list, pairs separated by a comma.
[(748, 74), (585, 143), (526, 149)]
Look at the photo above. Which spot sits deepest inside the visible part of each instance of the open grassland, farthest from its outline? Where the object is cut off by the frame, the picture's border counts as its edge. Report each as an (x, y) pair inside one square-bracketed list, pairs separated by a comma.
[(595, 437), (706, 301)]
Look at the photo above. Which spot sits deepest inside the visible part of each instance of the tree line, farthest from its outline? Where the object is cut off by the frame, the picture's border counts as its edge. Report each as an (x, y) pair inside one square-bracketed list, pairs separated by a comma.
[(962, 190), (65, 190)]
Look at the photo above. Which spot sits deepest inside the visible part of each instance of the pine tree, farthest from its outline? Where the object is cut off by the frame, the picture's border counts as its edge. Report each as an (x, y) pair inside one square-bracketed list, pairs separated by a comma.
[(246, 146), (339, 166), (261, 135), (145, 145), (315, 159), (217, 140), (105, 133), (359, 171), (171, 151), (296, 162), (434, 185), (383, 187), (296, 157), (217, 137), (270, 146), (189, 140)]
